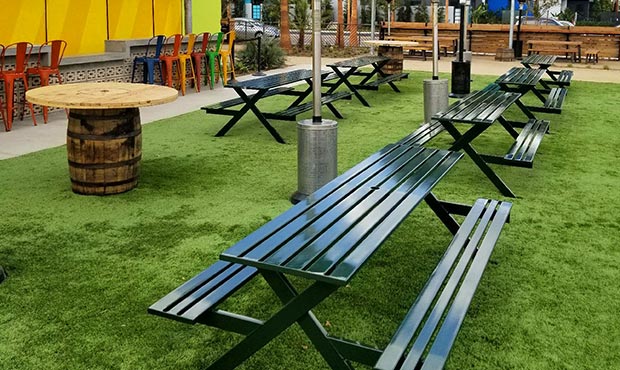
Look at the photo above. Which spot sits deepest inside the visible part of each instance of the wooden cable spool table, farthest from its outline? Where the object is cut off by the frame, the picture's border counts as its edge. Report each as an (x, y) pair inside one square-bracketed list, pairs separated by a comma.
[(104, 135), (392, 49)]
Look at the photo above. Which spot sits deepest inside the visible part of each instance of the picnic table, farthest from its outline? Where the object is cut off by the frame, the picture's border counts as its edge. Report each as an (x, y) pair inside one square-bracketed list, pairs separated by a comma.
[(560, 78), (352, 67), (480, 110), (326, 239), (276, 84), (524, 80)]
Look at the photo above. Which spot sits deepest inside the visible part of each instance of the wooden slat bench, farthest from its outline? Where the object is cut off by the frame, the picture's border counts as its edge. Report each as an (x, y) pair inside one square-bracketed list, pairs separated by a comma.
[(327, 238)]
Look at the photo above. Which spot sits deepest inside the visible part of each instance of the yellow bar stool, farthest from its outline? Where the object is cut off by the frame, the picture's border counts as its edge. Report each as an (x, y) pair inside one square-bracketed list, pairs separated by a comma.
[(228, 63), (184, 58)]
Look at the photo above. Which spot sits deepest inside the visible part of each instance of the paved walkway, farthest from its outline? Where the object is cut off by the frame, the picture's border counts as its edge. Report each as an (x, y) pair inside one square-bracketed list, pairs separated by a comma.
[(26, 138)]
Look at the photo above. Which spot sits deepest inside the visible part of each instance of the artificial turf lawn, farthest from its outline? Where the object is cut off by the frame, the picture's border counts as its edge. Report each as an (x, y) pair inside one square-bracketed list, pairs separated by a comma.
[(83, 269)]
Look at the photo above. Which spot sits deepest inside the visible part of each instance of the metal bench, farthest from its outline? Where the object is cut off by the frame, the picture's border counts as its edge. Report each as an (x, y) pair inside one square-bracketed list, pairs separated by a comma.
[(291, 113), (560, 78), (387, 79), (326, 239), (553, 103), (219, 107), (521, 153)]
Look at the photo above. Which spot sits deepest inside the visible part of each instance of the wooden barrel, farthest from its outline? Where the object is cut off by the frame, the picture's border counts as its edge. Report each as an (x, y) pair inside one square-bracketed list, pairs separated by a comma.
[(395, 64), (104, 148)]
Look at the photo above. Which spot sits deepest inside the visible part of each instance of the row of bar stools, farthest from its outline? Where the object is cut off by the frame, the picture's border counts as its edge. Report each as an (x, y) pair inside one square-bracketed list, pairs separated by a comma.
[(592, 56), (175, 57), (10, 76)]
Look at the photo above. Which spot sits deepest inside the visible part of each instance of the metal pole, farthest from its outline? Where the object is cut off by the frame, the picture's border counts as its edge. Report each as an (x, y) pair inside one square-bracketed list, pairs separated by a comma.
[(466, 22), (462, 31), (435, 40), (373, 20), (389, 17), (519, 46), (188, 16), (512, 23), (258, 57), (316, 61)]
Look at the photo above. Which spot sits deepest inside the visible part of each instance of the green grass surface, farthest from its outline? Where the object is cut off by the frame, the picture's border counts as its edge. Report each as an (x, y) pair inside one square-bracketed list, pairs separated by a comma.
[(83, 269)]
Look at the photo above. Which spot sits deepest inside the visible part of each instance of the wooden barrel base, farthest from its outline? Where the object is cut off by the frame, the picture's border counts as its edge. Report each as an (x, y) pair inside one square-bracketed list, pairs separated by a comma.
[(104, 148), (395, 64)]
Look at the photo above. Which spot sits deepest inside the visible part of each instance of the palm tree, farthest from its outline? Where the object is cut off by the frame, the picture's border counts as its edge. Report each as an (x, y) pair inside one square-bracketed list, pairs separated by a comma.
[(285, 29), (353, 39), (340, 32)]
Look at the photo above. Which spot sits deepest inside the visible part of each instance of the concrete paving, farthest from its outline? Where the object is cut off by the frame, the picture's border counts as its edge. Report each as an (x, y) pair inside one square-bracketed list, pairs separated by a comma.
[(25, 138)]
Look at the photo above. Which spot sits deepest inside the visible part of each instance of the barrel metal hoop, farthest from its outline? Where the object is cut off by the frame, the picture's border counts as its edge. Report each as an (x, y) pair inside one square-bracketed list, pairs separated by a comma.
[(103, 137), (103, 166), (107, 184), (130, 113)]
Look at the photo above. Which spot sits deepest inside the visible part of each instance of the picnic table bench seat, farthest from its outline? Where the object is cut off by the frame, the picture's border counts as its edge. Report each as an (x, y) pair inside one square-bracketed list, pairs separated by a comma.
[(291, 113), (329, 236), (219, 106), (553, 103), (434, 320), (521, 153), (374, 85), (561, 78)]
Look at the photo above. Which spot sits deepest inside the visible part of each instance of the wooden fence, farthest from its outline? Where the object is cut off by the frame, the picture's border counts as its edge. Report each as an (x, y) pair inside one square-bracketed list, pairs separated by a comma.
[(487, 38)]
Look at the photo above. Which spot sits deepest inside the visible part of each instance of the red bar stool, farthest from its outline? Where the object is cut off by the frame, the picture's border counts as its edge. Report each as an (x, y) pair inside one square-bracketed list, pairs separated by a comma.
[(199, 56), (22, 54), (57, 50), (169, 58)]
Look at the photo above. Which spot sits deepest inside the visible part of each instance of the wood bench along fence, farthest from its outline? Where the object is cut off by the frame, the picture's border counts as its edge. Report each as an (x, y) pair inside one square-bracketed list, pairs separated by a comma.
[(487, 38)]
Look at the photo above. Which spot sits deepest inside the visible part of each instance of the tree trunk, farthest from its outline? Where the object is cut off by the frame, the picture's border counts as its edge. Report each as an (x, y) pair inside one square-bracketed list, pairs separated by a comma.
[(353, 38), (340, 29), (285, 29)]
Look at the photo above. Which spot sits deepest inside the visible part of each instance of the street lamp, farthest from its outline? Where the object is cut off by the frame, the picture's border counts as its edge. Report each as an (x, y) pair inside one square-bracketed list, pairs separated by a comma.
[(519, 43)]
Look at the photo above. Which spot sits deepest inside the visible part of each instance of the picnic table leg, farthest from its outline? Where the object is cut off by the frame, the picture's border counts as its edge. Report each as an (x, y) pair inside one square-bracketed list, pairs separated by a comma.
[(381, 74), (250, 104), (524, 109), (344, 78), (294, 310), (445, 217), (463, 142), (308, 322)]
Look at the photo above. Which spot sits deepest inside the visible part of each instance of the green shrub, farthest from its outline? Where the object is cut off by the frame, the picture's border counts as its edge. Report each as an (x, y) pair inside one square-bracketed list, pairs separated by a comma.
[(272, 55)]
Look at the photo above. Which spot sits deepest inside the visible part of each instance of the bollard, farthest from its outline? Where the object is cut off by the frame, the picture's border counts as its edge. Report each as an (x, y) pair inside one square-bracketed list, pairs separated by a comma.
[(435, 98), (317, 162), (258, 58)]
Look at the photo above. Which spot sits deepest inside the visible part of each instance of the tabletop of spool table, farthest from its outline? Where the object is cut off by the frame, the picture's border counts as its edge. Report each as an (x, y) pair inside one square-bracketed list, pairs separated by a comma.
[(98, 95)]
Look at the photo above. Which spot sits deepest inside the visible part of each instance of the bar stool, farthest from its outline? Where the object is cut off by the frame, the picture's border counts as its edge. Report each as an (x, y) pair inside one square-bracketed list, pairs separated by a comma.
[(184, 58), (199, 56), (1, 105), (213, 56), (227, 58), (150, 62), (168, 60), (22, 54), (57, 49)]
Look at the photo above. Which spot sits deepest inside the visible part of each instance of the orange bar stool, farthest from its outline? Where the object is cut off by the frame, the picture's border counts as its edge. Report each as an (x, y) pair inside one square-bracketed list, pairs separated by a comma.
[(1, 105), (22, 54), (57, 50), (226, 54), (185, 58), (199, 57), (170, 57)]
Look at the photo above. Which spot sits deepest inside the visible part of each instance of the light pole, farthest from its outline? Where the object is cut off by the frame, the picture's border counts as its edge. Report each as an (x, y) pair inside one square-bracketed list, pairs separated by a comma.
[(518, 47), (435, 90)]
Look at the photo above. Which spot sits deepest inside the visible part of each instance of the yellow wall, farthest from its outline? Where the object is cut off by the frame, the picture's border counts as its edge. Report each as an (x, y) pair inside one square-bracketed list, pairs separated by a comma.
[(85, 25), (12, 30), (82, 23), (130, 19), (205, 16)]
